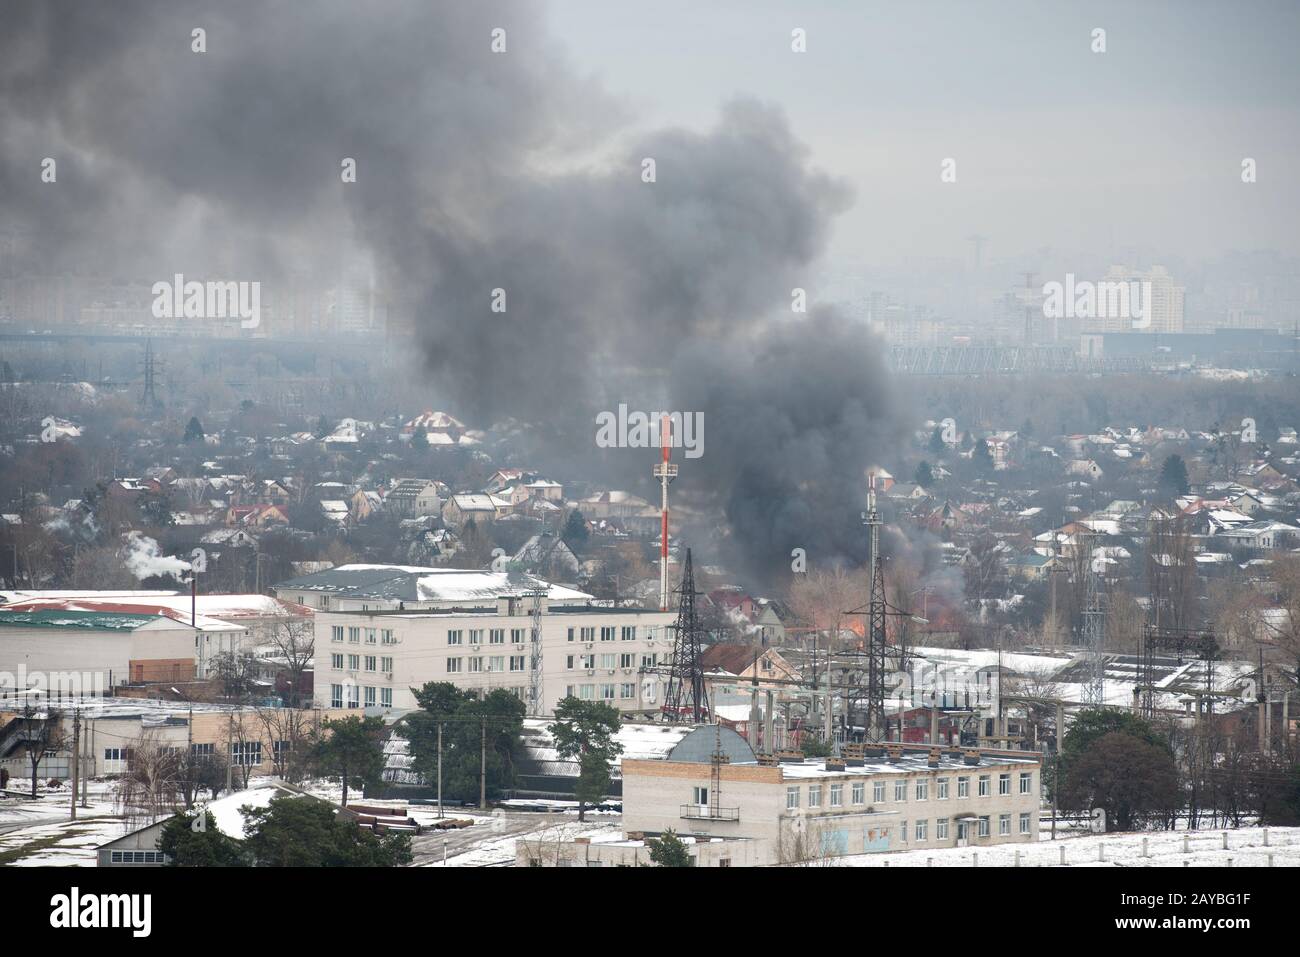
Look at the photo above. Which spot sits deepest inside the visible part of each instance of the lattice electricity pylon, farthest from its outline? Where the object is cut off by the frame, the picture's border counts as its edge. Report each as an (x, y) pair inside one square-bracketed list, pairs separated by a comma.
[(686, 698), (535, 655), (1183, 643), (1094, 629)]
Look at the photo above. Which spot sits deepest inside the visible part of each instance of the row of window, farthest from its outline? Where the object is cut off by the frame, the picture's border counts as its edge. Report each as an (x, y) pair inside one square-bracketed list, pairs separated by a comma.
[(607, 633), (496, 636), (355, 661), (495, 663), (355, 695), (921, 790), (626, 660), (384, 635), (625, 691), (242, 753), (137, 857), (921, 829)]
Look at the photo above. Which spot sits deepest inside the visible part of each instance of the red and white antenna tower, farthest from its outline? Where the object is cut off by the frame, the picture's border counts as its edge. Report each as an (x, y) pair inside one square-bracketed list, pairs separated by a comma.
[(665, 472)]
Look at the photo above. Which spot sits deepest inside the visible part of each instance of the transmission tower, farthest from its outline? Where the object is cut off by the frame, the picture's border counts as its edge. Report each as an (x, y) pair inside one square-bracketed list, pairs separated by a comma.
[(535, 655), (149, 399), (875, 623), (686, 696), (1094, 628)]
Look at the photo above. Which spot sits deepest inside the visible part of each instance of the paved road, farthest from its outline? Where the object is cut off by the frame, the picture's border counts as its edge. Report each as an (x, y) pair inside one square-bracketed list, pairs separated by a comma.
[(427, 848)]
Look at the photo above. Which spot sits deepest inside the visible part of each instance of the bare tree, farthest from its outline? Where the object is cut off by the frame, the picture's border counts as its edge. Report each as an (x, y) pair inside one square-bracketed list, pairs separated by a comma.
[(294, 640), (151, 786), (42, 730)]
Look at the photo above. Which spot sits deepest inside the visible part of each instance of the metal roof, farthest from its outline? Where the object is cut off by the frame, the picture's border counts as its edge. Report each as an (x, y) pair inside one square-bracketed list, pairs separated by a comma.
[(89, 620)]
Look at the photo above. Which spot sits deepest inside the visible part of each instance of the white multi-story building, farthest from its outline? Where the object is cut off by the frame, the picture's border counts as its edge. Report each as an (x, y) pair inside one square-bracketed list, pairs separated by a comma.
[(383, 630)]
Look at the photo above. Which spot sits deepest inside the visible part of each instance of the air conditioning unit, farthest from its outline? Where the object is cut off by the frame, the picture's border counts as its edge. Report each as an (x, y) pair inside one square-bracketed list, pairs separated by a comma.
[(627, 671), (591, 671), (613, 671)]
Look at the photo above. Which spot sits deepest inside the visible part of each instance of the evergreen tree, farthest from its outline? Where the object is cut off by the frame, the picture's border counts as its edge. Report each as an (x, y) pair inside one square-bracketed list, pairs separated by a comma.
[(575, 532), (352, 749), (306, 832), (1173, 477), (204, 845), (585, 730), (668, 850), (465, 719), (194, 430), (924, 476), (981, 457), (937, 445)]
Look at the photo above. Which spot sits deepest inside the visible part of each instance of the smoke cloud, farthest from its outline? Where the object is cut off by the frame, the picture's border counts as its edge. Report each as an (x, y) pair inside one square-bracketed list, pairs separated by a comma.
[(476, 171), (143, 558)]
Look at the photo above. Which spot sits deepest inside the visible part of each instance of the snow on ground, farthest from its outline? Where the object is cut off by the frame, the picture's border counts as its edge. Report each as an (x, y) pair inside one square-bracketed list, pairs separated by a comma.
[(494, 848), (62, 844), (1245, 849)]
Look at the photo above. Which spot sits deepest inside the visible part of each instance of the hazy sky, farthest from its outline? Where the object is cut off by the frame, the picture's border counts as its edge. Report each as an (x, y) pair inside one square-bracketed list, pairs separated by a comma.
[(1140, 146)]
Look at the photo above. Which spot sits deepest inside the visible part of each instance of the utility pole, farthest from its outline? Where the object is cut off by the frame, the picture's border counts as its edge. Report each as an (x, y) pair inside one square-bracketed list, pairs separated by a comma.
[(482, 768), (440, 770), (90, 750), (76, 758), (230, 734)]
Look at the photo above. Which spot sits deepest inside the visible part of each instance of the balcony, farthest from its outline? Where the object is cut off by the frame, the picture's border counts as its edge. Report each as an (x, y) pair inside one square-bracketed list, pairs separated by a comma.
[(702, 812)]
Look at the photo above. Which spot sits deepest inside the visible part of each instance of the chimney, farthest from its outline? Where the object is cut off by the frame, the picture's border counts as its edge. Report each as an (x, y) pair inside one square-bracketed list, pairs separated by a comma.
[(894, 753), (933, 759), (834, 764), (971, 756)]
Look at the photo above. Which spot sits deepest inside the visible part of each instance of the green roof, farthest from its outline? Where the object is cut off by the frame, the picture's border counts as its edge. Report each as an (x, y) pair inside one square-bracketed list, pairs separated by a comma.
[(92, 620)]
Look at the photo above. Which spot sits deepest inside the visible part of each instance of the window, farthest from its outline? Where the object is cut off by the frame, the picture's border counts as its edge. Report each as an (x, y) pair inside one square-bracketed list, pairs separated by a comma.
[(607, 692), (370, 636), (336, 696), (922, 827), (815, 795), (984, 785), (336, 633), (497, 663), (922, 789), (1024, 823), (609, 661), (963, 787), (353, 700), (137, 857), (648, 661), (386, 697), (517, 636), (1004, 784), (497, 636), (984, 827), (245, 754), (1026, 782), (516, 662), (354, 662), (476, 636), (370, 662), (369, 697), (837, 795), (941, 829), (900, 790), (475, 665), (386, 636), (627, 661), (386, 664), (587, 692), (701, 796), (208, 750), (607, 633), (942, 789), (354, 635), (627, 690), (1004, 823), (454, 636), (791, 798), (859, 792), (336, 661), (571, 633), (453, 666), (587, 661), (903, 831), (878, 792), (629, 632)]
